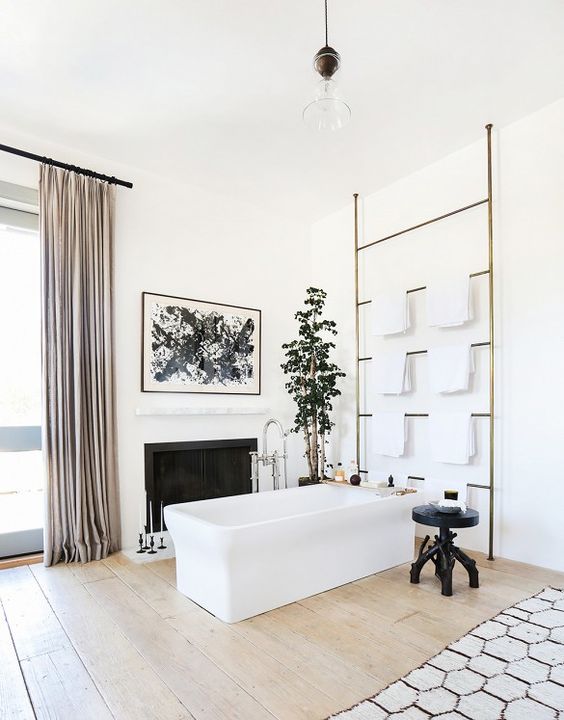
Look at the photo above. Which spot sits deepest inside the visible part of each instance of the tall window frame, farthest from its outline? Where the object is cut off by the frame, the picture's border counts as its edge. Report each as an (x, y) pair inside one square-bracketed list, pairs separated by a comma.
[(19, 211)]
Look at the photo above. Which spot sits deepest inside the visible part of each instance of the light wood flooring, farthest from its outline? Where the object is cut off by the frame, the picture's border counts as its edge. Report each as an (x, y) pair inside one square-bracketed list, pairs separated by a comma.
[(114, 639)]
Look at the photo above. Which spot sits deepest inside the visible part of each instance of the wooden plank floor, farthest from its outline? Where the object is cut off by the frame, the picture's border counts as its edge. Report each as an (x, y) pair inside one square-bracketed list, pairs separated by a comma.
[(114, 639)]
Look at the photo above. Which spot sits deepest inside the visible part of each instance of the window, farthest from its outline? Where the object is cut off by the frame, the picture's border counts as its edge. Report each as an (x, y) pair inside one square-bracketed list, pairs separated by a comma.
[(21, 469)]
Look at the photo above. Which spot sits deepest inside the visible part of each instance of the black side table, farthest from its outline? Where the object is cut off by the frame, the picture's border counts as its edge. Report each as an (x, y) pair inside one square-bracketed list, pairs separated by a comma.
[(444, 552)]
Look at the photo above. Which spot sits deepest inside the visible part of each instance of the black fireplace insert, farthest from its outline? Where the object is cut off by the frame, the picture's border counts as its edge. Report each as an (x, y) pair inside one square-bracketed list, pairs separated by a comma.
[(185, 471)]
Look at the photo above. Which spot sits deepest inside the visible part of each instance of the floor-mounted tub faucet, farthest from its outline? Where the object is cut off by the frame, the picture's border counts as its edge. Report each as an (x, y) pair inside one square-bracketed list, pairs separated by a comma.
[(275, 459)]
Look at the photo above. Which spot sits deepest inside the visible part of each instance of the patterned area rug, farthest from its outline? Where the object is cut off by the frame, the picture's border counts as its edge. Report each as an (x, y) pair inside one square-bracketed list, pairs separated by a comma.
[(508, 668)]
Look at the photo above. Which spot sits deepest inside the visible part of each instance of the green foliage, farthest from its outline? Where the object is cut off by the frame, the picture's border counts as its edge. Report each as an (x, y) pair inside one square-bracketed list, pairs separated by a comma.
[(312, 377)]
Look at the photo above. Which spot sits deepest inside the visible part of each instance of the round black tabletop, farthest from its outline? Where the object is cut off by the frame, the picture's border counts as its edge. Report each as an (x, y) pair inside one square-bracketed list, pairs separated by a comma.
[(428, 515)]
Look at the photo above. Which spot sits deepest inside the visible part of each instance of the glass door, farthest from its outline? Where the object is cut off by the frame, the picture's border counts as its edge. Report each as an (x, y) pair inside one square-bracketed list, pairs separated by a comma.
[(21, 469)]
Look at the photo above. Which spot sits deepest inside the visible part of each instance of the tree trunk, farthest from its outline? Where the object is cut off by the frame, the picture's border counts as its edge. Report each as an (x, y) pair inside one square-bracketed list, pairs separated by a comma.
[(314, 438), (314, 449), (322, 455), (308, 450), (307, 435), (307, 438)]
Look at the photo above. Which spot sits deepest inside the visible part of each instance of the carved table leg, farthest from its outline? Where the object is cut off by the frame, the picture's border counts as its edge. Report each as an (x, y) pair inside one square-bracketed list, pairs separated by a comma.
[(469, 564), (443, 554), (446, 567), (437, 559), (423, 545), (424, 556), (445, 563)]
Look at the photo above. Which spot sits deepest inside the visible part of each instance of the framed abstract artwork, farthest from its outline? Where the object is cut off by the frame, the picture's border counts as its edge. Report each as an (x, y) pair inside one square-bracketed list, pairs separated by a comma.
[(194, 346)]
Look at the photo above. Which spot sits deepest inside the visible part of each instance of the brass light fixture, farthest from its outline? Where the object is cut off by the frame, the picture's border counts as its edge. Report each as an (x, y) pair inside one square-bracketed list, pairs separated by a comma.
[(327, 111)]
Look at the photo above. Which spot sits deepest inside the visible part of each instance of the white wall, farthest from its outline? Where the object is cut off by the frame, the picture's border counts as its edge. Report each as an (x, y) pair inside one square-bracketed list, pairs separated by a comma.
[(529, 257), (180, 240)]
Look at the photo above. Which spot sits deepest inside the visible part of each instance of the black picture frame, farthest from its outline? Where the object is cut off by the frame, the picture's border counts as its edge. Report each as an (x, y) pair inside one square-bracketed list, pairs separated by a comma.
[(217, 381)]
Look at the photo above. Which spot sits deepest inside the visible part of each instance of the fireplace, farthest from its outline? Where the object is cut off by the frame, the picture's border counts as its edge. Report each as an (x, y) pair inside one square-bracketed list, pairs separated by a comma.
[(185, 471)]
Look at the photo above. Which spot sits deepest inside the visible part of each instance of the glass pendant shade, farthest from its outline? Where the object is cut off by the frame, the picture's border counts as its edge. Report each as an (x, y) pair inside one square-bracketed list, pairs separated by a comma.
[(328, 111)]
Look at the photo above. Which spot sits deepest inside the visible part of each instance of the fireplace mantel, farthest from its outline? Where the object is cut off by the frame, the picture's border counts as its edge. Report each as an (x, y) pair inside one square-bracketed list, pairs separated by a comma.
[(147, 411)]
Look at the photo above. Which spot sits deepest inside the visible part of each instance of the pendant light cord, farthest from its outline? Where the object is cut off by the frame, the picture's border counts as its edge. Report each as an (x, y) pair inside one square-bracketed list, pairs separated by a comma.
[(326, 30)]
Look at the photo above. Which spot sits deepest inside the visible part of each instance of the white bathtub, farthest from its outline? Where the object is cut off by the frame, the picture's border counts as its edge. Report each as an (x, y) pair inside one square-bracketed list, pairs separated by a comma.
[(241, 556)]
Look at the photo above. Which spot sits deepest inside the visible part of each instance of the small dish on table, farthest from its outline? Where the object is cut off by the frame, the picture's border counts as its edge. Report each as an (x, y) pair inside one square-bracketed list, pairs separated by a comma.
[(449, 507)]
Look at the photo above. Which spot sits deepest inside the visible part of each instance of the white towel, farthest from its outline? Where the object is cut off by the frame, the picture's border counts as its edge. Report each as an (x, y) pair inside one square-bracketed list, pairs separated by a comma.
[(449, 302), (389, 433), (391, 373), (452, 437), (390, 312), (452, 503), (450, 367)]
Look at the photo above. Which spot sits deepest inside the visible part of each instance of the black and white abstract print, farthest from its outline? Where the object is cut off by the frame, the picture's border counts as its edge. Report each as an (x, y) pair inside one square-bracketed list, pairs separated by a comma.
[(195, 346)]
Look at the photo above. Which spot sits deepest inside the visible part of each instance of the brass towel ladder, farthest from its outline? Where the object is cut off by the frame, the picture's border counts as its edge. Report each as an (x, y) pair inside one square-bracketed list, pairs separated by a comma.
[(490, 344)]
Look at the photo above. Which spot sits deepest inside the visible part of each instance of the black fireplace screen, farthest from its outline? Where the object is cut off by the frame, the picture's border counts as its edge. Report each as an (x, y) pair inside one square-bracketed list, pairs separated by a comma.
[(186, 471)]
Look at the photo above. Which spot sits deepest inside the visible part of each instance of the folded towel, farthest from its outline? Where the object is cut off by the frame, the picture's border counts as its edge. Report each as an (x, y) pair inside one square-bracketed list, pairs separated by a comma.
[(369, 484), (389, 433), (390, 312), (450, 367), (452, 437), (449, 302), (452, 504), (391, 372), (379, 478)]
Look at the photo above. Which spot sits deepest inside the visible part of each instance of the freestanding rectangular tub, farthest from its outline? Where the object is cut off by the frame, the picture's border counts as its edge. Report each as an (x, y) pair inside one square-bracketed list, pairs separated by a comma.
[(240, 556)]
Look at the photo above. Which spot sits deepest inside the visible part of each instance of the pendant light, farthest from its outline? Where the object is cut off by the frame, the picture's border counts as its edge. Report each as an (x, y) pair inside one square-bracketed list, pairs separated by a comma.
[(327, 111)]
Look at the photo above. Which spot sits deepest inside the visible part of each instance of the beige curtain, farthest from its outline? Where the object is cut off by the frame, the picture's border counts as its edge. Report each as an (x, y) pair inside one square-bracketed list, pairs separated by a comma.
[(79, 433)]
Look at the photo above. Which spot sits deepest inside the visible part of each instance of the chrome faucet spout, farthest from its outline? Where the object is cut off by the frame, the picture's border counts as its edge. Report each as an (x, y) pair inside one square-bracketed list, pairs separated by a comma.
[(267, 424), (275, 459)]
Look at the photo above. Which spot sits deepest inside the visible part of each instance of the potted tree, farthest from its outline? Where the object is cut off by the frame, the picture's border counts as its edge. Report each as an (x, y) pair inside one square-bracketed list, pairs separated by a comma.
[(312, 379)]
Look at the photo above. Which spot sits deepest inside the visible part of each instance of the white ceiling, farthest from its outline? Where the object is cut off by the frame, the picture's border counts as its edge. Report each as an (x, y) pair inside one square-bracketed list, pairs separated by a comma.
[(211, 91)]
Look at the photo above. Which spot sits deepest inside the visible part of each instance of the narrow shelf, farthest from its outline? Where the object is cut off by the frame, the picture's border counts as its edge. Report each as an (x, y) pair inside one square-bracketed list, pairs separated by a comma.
[(150, 411), (347, 484)]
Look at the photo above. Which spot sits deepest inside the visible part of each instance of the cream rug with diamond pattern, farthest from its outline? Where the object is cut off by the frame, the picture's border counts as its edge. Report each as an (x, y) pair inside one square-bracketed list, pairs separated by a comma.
[(508, 668)]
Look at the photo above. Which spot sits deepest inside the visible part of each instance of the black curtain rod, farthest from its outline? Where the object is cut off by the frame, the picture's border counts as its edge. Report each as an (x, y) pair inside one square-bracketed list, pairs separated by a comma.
[(49, 161)]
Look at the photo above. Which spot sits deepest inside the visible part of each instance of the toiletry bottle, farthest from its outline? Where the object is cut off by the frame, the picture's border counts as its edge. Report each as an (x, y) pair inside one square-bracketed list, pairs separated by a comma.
[(340, 473), (391, 481)]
